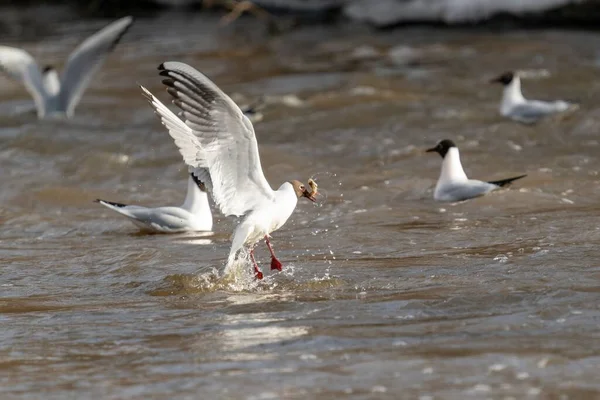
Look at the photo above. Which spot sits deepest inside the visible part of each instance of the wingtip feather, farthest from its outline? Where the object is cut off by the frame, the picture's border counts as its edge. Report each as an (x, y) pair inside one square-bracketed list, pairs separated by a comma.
[(170, 82)]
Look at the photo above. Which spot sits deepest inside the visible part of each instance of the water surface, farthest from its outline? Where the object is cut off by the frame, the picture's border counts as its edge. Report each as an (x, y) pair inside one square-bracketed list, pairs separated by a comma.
[(384, 294)]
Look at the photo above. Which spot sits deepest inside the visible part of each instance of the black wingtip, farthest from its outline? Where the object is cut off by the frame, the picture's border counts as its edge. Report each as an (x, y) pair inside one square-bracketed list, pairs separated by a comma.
[(123, 32), (168, 82), (161, 67), (112, 203), (505, 182), (173, 92)]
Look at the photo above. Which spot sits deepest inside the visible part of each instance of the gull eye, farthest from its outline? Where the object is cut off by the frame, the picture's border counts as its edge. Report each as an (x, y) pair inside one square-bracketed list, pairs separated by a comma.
[(302, 187)]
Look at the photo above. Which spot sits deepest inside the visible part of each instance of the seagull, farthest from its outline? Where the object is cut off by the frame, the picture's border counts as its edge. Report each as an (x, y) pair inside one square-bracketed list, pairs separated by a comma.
[(453, 184), (218, 142), (193, 215), (516, 107), (59, 96), (252, 111)]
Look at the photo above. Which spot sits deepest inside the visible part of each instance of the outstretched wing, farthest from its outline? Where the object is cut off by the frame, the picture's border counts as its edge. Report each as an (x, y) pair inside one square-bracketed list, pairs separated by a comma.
[(224, 137), (86, 59), (189, 146), (20, 65)]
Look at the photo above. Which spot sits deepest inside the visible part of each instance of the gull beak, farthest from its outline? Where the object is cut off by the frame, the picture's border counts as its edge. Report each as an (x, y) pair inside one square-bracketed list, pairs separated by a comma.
[(309, 195), (497, 79), (431, 150)]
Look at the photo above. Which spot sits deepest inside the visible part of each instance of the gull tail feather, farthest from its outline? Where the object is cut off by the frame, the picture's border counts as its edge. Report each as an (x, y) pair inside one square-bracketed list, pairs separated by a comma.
[(505, 182)]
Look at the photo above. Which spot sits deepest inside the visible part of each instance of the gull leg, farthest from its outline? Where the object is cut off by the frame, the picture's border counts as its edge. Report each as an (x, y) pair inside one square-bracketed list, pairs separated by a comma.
[(275, 263), (257, 272)]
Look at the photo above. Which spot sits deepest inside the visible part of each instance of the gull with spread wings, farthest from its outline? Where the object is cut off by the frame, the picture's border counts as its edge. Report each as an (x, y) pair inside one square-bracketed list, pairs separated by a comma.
[(218, 142), (59, 96)]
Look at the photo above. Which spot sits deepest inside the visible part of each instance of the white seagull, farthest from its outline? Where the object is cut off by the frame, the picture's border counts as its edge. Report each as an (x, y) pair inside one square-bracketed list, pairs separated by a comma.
[(516, 107), (193, 215), (54, 96), (453, 184), (218, 142)]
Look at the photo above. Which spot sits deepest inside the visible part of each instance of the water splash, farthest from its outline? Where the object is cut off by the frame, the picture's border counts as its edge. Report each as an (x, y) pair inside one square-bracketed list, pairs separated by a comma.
[(238, 273)]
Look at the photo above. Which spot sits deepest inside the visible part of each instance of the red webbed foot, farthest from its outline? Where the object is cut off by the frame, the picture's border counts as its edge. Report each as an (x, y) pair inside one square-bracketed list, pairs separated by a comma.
[(276, 264)]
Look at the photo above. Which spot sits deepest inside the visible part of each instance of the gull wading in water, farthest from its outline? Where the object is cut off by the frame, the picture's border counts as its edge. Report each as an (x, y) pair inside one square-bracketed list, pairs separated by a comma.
[(516, 107), (59, 96), (453, 184), (218, 142), (193, 215)]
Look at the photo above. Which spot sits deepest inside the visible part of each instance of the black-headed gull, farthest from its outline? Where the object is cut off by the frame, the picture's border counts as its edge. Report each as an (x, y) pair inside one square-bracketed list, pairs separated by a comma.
[(217, 140), (59, 96), (252, 111), (453, 184), (193, 215), (516, 107)]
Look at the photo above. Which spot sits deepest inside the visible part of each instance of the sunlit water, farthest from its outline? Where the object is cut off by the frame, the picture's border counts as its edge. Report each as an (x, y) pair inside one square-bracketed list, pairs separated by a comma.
[(384, 293)]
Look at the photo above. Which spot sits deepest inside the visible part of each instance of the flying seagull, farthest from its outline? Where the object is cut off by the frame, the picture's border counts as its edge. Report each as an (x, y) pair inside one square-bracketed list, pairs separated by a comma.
[(59, 96), (218, 142)]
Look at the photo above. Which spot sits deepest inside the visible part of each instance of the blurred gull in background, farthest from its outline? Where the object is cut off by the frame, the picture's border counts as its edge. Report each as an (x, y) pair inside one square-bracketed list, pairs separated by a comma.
[(518, 108), (59, 96)]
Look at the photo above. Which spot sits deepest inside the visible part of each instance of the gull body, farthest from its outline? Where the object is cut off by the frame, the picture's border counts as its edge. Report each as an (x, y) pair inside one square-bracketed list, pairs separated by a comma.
[(193, 215), (218, 142), (518, 108), (58, 96), (453, 184)]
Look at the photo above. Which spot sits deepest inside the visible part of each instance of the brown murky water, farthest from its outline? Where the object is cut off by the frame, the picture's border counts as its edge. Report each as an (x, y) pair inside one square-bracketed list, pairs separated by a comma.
[(385, 293)]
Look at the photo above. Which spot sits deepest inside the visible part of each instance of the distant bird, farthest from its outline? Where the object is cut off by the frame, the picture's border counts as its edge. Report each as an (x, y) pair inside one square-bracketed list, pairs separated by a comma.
[(193, 215), (516, 107), (252, 111), (453, 184), (217, 140), (54, 96)]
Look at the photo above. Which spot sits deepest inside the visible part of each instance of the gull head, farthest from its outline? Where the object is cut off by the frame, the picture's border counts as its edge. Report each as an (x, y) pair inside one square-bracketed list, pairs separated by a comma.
[(47, 69), (302, 191), (442, 147), (505, 79)]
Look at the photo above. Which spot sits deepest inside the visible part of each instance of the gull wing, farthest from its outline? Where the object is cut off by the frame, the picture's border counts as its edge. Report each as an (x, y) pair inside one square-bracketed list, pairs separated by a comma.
[(530, 114), (464, 190), (189, 146), (86, 59), (228, 147), (20, 65)]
